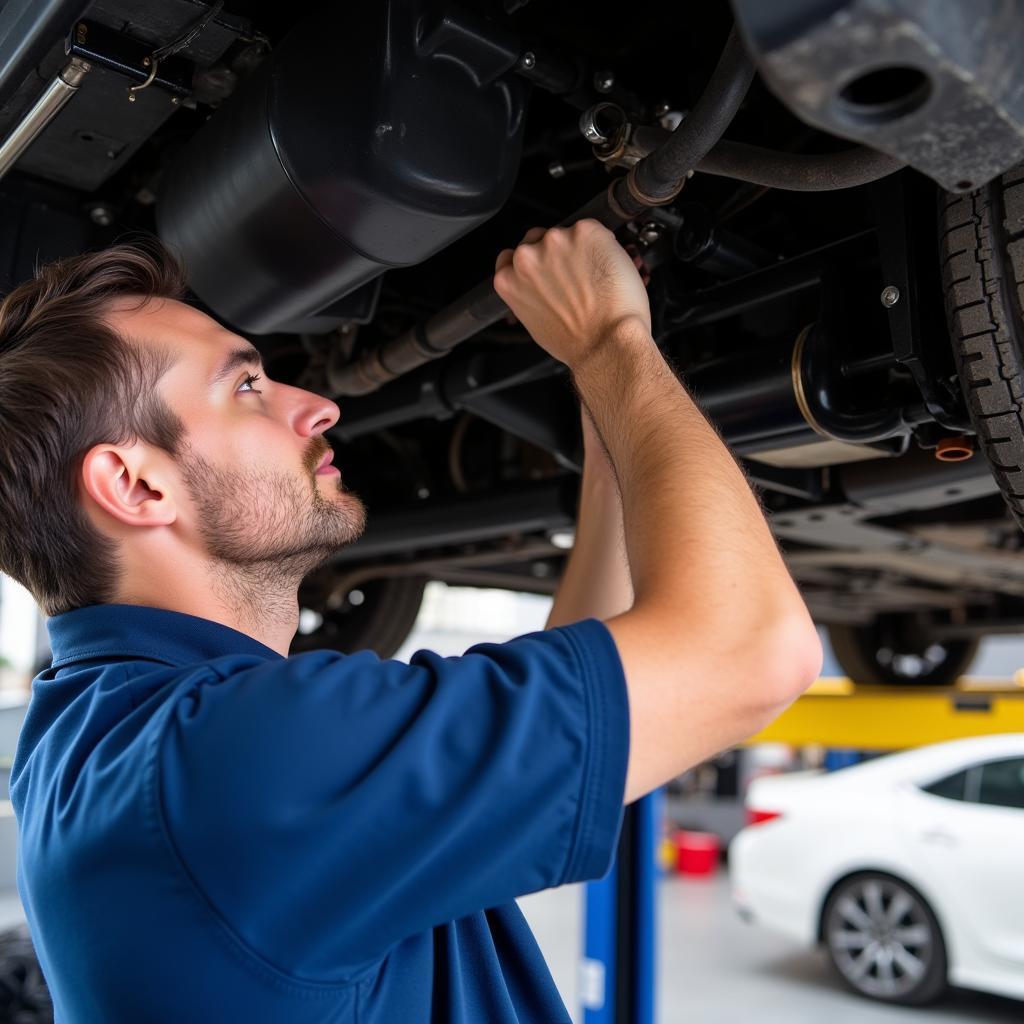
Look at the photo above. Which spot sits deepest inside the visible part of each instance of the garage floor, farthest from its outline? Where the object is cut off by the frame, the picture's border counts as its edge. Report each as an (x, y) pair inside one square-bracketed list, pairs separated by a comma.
[(714, 969)]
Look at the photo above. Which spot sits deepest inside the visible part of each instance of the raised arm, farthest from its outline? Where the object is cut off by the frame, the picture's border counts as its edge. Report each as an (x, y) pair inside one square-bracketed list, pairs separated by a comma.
[(595, 582), (718, 640)]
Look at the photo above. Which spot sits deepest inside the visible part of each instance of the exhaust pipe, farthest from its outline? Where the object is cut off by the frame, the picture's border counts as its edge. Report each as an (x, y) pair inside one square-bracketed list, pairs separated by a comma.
[(766, 403), (45, 109)]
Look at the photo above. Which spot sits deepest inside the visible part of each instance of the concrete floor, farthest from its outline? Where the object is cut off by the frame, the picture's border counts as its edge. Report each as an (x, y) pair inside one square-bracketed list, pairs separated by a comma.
[(715, 969)]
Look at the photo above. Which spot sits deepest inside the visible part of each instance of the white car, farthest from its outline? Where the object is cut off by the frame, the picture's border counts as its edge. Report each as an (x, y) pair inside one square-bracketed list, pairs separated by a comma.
[(908, 868)]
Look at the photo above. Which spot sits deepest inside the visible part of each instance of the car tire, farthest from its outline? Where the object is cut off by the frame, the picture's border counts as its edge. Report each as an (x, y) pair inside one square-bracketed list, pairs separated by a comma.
[(982, 253), (380, 621), (884, 941), (900, 650), (24, 997)]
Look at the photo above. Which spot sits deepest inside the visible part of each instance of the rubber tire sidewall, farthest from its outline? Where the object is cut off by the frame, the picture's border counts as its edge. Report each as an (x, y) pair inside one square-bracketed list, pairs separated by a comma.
[(380, 625), (850, 651)]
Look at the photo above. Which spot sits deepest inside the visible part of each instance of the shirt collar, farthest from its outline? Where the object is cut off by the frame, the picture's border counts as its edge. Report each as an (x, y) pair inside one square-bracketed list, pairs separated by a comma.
[(153, 634)]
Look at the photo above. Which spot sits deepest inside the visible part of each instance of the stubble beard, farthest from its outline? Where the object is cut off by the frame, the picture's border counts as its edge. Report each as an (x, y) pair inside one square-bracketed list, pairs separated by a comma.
[(264, 530)]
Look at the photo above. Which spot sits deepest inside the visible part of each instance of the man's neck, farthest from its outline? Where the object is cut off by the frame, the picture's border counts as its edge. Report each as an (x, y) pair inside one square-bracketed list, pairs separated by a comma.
[(250, 599)]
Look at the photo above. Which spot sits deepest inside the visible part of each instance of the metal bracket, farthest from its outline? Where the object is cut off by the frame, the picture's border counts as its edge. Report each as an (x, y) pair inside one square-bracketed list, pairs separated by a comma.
[(133, 58), (898, 224)]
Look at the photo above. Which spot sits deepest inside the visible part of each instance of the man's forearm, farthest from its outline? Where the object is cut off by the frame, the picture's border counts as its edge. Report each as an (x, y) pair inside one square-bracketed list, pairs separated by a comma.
[(595, 582), (686, 503)]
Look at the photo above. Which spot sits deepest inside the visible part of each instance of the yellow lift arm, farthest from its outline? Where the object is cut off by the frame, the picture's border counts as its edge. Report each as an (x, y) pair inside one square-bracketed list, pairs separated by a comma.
[(837, 713)]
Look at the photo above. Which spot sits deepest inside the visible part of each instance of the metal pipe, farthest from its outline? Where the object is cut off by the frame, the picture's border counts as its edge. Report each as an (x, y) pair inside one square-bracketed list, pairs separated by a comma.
[(440, 391), (785, 395), (868, 364), (29, 30), (45, 109), (532, 508), (701, 242), (771, 283)]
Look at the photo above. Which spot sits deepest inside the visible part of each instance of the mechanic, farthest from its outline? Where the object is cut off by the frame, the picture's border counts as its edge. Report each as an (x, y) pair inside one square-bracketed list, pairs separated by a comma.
[(211, 830)]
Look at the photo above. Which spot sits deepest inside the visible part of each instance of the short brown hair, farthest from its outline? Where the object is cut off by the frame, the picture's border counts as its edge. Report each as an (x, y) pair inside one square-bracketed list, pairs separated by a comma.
[(69, 381)]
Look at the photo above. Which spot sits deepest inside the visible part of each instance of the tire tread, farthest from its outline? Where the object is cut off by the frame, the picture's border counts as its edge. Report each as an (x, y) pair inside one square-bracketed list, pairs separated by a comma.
[(981, 238)]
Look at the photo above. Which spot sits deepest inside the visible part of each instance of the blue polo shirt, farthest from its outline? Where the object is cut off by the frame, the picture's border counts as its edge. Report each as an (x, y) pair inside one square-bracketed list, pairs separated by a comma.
[(212, 832)]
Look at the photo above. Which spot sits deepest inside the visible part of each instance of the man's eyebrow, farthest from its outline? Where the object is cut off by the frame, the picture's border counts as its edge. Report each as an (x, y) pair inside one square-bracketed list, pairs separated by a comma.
[(240, 357)]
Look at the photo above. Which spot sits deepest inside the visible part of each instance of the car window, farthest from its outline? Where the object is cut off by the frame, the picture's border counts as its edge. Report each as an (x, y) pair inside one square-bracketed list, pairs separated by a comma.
[(1002, 783), (951, 787)]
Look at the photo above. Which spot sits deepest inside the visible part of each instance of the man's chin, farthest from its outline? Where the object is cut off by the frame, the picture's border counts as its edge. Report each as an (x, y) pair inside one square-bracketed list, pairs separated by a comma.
[(355, 515)]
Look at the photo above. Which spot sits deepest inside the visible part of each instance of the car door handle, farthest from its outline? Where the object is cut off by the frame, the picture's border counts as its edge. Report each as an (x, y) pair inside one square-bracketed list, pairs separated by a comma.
[(937, 837)]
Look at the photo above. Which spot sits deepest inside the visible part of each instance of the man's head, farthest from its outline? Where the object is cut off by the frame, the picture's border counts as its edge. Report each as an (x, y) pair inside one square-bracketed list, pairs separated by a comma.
[(138, 438)]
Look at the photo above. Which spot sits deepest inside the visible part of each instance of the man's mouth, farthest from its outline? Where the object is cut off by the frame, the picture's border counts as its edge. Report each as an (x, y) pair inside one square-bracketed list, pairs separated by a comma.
[(325, 468)]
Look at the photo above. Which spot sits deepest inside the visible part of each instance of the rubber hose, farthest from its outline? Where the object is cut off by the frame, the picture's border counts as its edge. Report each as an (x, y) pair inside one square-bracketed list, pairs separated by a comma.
[(798, 172), (662, 172)]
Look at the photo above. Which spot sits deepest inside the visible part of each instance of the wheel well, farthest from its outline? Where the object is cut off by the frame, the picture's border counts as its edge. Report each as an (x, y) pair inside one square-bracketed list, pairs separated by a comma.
[(861, 872)]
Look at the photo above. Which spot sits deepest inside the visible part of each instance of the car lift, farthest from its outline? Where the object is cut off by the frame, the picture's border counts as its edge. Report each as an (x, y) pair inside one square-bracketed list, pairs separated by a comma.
[(618, 967)]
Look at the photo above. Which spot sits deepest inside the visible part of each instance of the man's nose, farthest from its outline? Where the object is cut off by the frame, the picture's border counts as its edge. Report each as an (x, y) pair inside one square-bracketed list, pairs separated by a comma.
[(313, 414)]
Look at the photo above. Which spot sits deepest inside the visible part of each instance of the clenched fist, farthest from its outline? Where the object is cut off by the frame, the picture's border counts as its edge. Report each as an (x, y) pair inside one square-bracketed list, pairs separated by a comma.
[(571, 288)]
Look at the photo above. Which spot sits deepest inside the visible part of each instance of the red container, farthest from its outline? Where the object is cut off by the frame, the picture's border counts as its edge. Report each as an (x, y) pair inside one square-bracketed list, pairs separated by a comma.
[(697, 853)]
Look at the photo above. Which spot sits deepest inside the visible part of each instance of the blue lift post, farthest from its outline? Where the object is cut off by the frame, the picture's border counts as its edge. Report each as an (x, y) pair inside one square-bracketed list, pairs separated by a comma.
[(839, 758), (617, 976)]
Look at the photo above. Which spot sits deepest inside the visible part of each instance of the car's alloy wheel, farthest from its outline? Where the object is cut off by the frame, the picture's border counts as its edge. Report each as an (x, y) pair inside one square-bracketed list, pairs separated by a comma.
[(900, 650), (884, 940)]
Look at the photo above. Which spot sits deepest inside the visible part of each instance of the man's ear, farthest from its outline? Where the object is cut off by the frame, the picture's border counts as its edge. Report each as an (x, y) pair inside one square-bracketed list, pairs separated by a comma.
[(128, 483)]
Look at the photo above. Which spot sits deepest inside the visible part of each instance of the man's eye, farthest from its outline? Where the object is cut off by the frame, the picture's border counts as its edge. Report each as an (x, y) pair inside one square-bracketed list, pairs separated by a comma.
[(247, 384)]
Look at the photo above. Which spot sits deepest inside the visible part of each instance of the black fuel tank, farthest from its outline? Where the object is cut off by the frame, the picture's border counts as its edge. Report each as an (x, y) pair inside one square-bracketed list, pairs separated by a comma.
[(375, 135)]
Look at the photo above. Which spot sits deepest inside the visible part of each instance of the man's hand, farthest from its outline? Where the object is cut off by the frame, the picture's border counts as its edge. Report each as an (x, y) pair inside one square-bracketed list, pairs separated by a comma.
[(572, 288)]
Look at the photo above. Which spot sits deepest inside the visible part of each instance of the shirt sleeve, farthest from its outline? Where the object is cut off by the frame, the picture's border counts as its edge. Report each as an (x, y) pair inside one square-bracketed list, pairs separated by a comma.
[(329, 806)]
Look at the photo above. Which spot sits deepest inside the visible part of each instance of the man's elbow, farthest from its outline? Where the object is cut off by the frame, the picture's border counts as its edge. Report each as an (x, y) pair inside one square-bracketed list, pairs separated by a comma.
[(792, 663)]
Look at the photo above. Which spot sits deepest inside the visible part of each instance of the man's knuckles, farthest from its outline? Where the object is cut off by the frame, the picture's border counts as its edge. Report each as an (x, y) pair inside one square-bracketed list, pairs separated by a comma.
[(503, 260), (504, 283), (526, 258)]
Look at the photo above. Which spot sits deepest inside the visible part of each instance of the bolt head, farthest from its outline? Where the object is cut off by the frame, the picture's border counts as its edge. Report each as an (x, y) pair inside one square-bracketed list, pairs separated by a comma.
[(101, 215), (650, 232), (556, 169), (890, 296), (603, 81), (527, 61)]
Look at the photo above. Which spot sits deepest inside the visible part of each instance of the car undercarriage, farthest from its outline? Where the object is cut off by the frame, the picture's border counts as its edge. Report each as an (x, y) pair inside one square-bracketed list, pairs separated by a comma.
[(836, 278)]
